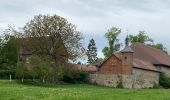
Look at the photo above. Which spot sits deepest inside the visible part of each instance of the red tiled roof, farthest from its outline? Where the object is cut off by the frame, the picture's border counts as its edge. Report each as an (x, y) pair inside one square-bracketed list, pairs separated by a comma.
[(150, 54), (144, 65)]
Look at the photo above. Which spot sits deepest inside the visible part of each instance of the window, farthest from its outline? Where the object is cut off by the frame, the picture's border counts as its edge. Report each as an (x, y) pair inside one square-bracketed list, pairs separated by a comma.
[(125, 58)]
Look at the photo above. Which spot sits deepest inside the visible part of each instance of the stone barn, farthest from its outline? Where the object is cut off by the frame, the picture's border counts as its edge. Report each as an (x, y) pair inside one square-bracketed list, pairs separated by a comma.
[(136, 66)]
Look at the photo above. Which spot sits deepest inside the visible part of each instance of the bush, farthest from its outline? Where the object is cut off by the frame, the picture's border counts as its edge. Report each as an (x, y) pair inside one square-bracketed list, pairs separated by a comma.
[(76, 77), (164, 81), (46, 72), (70, 75), (120, 83), (4, 74)]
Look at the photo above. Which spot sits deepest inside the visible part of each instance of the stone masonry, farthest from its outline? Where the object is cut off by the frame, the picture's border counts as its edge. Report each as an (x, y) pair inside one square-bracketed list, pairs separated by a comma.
[(138, 79)]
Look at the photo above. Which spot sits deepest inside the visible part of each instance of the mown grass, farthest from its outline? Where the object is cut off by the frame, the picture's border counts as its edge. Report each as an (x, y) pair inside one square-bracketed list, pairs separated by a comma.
[(16, 91)]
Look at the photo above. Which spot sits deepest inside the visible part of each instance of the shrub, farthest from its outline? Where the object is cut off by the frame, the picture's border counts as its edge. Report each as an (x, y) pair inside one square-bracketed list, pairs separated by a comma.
[(76, 77), (42, 70), (155, 86), (164, 81), (120, 83), (4, 74), (70, 75)]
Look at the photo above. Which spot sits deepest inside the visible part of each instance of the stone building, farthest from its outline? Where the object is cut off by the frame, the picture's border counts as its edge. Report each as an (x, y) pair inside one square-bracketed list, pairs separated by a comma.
[(136, 66)]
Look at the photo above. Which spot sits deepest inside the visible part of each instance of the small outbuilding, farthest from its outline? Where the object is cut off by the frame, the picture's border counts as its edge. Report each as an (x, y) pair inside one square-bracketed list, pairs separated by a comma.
[(136, 66)]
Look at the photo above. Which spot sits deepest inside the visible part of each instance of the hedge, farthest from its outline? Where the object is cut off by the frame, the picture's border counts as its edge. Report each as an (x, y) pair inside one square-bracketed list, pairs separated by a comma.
[(5, 74)]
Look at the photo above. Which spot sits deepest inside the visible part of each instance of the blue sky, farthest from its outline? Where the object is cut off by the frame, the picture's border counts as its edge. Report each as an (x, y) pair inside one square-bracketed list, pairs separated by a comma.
[(94, 17)]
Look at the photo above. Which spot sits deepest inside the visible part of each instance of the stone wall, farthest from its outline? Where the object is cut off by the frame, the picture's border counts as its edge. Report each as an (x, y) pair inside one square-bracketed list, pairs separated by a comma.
[(139, 79), (145, 78), (165, 70)]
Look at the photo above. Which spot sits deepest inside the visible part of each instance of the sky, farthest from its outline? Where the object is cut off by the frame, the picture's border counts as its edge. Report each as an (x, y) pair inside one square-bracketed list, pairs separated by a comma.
[(94, 17)]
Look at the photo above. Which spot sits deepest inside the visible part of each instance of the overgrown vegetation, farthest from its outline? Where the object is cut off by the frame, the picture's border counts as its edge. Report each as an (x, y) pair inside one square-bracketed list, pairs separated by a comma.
[(120, 83), (164, 81), (44, 71)]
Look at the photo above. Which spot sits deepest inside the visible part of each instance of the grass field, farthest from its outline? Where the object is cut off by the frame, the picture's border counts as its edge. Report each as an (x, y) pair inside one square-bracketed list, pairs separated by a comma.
[(16, 91)]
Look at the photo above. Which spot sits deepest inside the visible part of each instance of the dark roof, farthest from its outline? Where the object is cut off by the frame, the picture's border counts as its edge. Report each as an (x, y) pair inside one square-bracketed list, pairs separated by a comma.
[(150, 54), (26, 53), (127, 49)]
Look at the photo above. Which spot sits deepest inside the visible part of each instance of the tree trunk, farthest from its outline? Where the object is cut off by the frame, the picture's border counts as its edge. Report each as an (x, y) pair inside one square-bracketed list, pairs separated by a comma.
[(22, 79), (43, 79), (10, 77)]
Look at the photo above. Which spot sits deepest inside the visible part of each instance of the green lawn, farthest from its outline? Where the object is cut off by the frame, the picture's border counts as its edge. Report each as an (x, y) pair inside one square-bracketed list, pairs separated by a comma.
[(15, 91)]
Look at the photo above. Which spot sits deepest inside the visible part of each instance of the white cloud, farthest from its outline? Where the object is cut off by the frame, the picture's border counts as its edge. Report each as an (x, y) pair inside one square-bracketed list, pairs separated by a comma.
[(94, 17)]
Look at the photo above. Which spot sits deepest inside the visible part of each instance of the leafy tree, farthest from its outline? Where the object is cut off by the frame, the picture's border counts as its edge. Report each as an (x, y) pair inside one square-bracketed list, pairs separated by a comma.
[(114, 45), (48, 36), (92, 52), (45, 70), (141, 37), (99, 60), (8, 49), (39, 68), (21, 70)]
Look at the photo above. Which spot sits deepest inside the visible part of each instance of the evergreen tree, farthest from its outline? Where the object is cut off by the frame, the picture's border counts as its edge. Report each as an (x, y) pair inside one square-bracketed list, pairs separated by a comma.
[(92, 52)]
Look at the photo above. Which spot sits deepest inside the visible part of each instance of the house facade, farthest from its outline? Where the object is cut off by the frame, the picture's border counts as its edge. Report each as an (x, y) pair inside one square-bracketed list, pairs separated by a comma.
[(136, 66)]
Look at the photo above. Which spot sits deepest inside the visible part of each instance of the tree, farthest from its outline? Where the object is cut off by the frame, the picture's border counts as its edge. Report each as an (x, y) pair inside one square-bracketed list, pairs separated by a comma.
[(52, 37), (99, 61), (47, 71), (40, 68), (114, 45), (92, 52), (21, 70), (140, 37), (8, 49)]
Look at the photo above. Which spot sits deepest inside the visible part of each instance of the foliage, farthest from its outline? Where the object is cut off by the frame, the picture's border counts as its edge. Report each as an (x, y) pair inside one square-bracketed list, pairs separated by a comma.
[(68, 74), (114, 45), (141, 37), (48, 36), (99, 61), (45, 71), (22, 71), (39, 68), (164, 81), (120, 83), (92, 52), (76, 77), (8, 48), (4, 74)]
